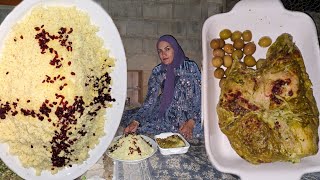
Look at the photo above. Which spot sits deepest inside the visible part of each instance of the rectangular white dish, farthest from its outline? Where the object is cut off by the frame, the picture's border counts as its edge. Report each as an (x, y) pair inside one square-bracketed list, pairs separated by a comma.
[(170, 151), (263, 18)]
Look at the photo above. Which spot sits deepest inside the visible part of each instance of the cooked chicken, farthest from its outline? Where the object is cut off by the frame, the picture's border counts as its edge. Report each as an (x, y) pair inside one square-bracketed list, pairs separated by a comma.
[(173, 141), (270, 114)]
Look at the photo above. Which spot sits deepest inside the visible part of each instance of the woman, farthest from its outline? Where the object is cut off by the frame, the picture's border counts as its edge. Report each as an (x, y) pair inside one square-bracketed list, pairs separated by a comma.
[(173, 101)]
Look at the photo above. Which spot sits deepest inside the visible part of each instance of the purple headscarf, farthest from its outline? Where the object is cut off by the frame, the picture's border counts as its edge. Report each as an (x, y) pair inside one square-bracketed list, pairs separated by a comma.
[(178, 59)]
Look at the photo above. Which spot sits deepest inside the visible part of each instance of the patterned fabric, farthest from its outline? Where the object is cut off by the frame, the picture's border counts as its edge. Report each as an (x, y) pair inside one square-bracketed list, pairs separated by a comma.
[(193, 165), (186, 103)]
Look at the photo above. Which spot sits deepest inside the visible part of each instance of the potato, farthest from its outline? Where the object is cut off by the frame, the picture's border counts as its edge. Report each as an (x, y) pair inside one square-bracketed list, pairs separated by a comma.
[(247, 35), (236, 35), (218, 52), (249, 48), (249, 61), (225, 53), (217, 61), (238, 44), (228, 48), (222, 43), (265, 41), (227, 61), (218, 73), (215, 44), (225, 34)]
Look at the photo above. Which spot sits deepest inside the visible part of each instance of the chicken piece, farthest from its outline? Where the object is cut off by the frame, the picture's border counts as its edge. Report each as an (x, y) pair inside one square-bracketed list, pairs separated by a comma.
[(270, 114)]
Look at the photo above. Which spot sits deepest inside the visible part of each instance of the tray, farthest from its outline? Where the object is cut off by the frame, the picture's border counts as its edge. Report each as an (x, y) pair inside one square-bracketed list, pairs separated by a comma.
[(263, 18)]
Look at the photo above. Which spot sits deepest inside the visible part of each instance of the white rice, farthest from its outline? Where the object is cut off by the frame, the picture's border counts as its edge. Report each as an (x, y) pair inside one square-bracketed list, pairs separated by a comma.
[(33, 133), (130, 147)]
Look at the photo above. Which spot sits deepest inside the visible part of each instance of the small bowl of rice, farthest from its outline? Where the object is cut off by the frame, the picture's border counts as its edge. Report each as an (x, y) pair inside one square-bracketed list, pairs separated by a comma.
[(131, 148)]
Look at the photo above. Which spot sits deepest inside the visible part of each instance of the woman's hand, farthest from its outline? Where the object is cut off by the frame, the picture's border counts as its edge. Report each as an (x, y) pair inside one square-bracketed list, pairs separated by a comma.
[(187, 128), (132, 127)]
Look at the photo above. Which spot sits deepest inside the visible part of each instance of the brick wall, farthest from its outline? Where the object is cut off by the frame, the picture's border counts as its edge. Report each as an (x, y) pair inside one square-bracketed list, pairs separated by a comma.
[(142, 22)]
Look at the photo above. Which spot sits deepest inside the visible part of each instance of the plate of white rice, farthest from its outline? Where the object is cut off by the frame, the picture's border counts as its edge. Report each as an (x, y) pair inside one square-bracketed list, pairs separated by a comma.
[(63, 75), (131, 148)]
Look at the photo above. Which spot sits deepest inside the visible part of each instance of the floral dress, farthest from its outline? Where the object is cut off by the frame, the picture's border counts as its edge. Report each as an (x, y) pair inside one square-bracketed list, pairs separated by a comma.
[(186, 103)]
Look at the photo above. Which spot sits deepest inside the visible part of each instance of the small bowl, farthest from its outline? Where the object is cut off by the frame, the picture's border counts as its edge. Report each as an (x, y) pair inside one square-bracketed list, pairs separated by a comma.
[(169, 151)]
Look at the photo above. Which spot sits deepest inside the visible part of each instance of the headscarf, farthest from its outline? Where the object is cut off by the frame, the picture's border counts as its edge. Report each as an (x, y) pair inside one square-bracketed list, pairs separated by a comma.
[(178, 59)]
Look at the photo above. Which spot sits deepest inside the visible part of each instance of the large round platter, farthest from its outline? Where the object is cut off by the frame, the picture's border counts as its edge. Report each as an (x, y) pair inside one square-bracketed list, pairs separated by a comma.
[(112, 41), (151, 141)]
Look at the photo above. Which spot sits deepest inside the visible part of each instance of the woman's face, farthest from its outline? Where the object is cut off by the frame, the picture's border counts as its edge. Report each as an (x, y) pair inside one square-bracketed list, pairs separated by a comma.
[(166, 52)]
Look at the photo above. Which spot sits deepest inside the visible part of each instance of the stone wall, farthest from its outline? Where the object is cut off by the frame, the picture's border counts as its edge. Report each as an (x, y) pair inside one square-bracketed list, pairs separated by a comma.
[(142, 22)]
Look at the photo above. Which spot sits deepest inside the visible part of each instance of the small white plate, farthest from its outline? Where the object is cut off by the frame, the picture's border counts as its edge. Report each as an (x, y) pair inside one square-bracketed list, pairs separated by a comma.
[(169, 151), (263, 18), (149, 140)]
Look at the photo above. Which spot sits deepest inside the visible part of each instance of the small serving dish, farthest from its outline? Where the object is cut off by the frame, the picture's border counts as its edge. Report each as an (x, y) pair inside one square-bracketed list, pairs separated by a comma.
[(170, 151)]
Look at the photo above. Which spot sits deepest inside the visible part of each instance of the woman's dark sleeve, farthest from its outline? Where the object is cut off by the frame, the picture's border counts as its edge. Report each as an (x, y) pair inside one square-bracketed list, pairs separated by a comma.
[(194, 108)]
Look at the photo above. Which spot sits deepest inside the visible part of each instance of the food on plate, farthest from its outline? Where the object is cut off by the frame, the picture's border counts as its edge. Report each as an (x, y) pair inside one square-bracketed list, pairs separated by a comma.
[(130, 147), (237, 54), (217, 61), (218, 53), (227, 61), (238, 48), (225, 34), (260, 62), (222, 43), (249, 60), (173, 141), (270, 114), (249, 48), (247, 35), (228, 48), (265, 41), (236, 35), (215, 44), (238, 44), (218, 73), (55, 88)]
